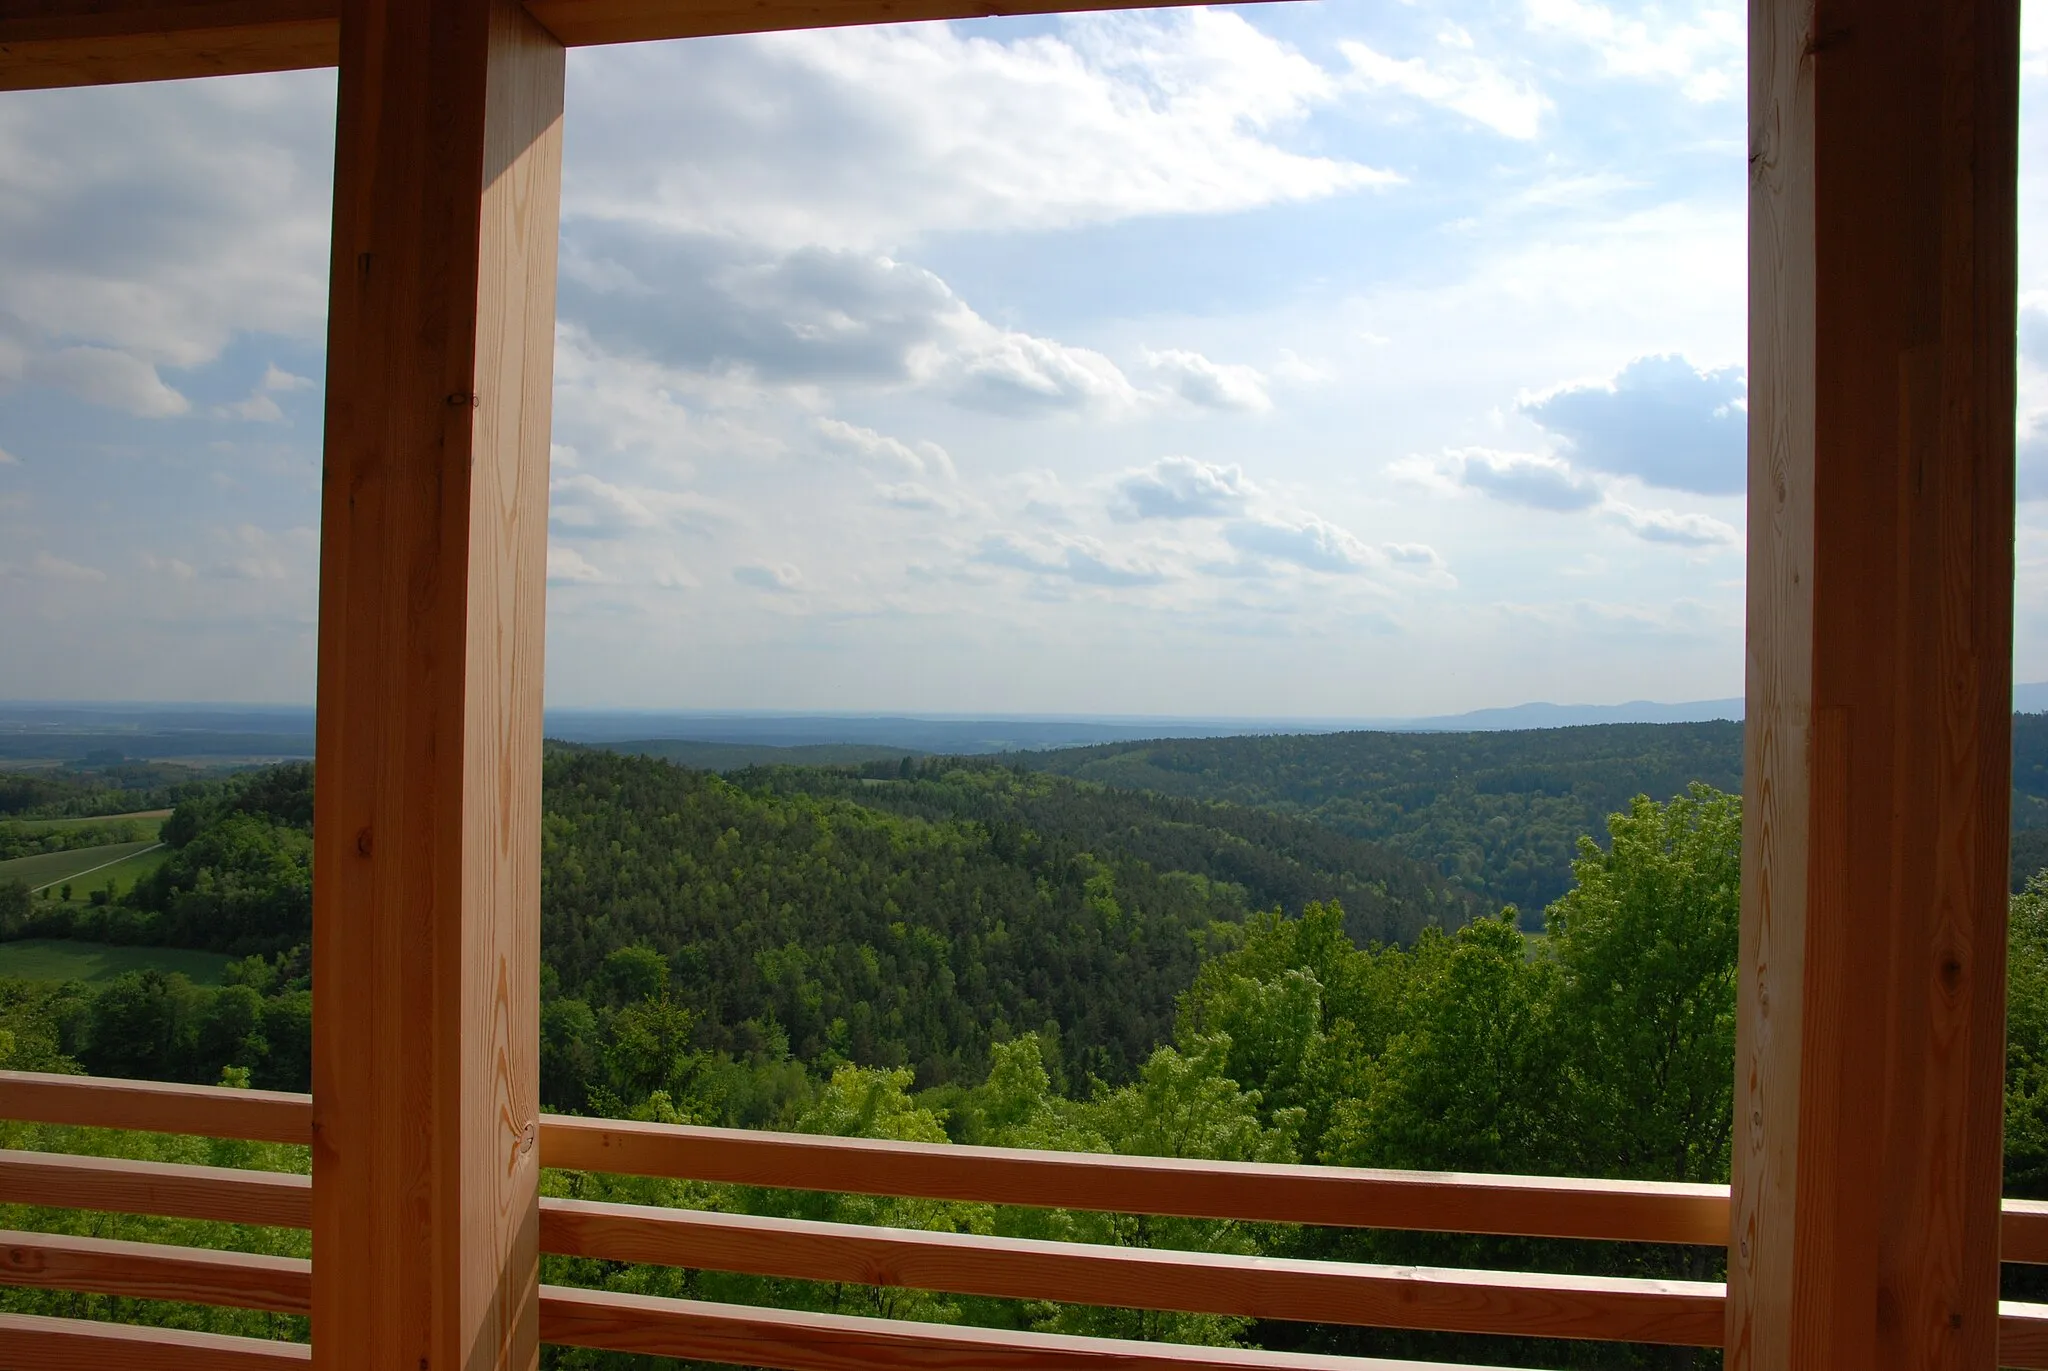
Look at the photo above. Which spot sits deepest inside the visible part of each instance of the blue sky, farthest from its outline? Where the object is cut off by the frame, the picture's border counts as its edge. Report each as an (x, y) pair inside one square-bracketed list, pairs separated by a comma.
[(1333, 360)]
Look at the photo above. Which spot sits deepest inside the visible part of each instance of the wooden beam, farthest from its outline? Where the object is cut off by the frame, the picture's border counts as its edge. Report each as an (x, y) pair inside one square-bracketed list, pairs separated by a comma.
[(426, 914), (791, 1340), (1870, 1037), (38, 1343), (1534, 1206), (46, 43), (119, 1185), (153, 1271), (207, 1111), (580, 23), (1512, 1303)]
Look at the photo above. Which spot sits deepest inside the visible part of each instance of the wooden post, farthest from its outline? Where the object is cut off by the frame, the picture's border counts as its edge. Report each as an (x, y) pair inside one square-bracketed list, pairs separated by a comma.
[(1871, 1031), (426, 936)]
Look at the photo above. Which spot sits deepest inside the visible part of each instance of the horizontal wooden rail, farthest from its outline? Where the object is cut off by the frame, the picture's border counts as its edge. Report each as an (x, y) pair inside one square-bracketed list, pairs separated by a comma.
[(118, 1185), (154, 1271), (1517, 1304), (36, 1343), (2023, 1335), (1344, 1197), (1530, 1206), (207, 1111), (789, 1340), (618, 1322)]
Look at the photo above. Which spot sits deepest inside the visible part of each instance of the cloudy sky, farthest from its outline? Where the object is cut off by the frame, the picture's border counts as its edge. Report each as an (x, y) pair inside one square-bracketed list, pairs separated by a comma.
[(1323, 360)]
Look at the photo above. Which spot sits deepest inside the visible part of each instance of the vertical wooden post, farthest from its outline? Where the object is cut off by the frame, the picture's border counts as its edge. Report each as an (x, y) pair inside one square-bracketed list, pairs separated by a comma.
[(1871, 1033), (433, 555)]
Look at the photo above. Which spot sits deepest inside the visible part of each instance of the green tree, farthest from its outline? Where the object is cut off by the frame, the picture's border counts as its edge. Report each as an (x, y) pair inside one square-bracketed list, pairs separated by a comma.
[(1644, 944)]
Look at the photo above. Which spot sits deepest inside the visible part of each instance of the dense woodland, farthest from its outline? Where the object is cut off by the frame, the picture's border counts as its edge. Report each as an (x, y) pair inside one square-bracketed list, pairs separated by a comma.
[(1500, 813), (965, 951)]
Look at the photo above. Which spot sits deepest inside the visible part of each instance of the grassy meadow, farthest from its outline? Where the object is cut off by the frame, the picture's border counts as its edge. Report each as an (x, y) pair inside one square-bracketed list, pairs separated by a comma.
[(59, 959), (89, 868)]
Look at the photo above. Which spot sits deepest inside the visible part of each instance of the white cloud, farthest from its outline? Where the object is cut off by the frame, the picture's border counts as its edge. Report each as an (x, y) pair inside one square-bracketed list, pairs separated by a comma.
[(914, 495), (567, 566), (1209, 385), (1181, 488), (1457, 81), (1533, 480), (160, 220), (104, 376), (866, 137), (592, 507), (1671, 526), (1662, 420), (780, 578), (1700, 49), (7, 459), (45, 566), (1309, 543), (923, 458), (1079, 559)]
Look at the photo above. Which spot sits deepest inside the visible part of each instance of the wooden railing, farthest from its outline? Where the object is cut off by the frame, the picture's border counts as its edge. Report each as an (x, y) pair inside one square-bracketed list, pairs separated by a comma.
[(1685, 1313)]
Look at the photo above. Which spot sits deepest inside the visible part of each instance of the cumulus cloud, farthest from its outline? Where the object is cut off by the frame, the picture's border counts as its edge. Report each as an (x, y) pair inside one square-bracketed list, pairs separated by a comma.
[(866, 137), (1209, 385), (1181, 488), (1081, 560), (567, 566), (1661, 420), (1309, 542), (818, 316), (1700, 49), (1455, 80), (46, 566), (161, 220), (916, 496), (866, 442), (780, 578), (105, 376), (588, 505), (1534, 480), (1673, 527)]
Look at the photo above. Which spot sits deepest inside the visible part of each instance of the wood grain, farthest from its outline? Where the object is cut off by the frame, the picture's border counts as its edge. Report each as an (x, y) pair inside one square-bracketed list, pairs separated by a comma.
[(1619, 1309), (34, 1342), (742, 1335), (1637, 1211), (2023, 1335), (427, 824), (153, 1271), (169, 1189), (582, 22), (1864, 1222), (156, 1107), (2023, 1231), (48, 43)]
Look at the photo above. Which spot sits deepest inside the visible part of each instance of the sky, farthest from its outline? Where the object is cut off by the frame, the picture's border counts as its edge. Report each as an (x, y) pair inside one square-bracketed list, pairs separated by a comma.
[(1337, 360)]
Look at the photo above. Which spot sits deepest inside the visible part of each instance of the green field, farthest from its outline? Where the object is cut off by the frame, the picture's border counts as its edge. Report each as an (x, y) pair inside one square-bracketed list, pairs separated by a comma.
[(59, 959), (88, 867), (54, 825)]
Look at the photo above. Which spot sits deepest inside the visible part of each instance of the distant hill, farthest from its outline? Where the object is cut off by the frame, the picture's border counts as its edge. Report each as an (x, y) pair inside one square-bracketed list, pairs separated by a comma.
[(1499, 813), (699, 756)]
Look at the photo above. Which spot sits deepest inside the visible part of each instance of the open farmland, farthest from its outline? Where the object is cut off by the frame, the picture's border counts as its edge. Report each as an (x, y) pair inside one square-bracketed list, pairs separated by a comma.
[(90, 866), (60, 959)]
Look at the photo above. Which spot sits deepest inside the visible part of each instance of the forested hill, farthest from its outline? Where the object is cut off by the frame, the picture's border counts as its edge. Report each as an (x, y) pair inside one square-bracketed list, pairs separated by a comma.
[(1499, 814), (914, 921)]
